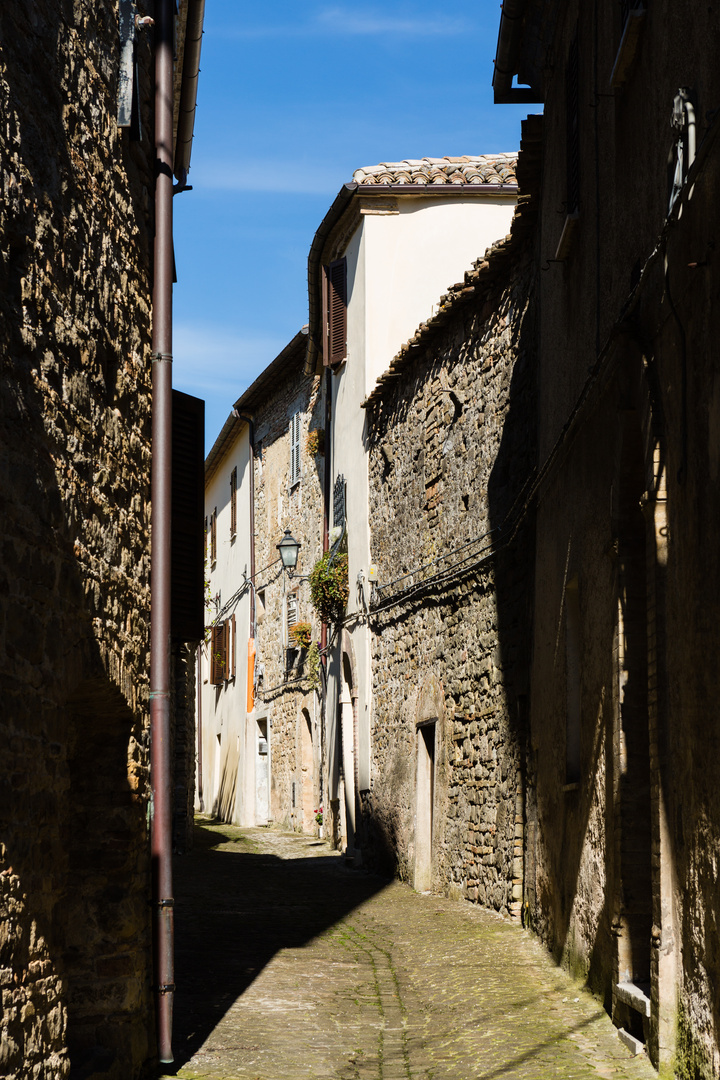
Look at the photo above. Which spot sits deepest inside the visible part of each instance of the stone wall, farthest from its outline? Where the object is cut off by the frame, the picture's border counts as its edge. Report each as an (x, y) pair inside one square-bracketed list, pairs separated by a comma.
[(625, 842), (451, 611), (288, 692), (75, 244)]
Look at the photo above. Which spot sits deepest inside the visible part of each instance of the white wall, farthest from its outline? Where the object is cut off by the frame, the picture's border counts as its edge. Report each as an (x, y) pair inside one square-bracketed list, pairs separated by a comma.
[(413, 257), (228, 774), (399, 265)]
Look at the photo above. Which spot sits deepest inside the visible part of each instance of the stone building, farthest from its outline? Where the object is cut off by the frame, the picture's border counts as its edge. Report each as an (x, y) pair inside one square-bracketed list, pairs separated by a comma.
[(260, 717), (623, 833), (76, 228), (450, 661), (391, 241)]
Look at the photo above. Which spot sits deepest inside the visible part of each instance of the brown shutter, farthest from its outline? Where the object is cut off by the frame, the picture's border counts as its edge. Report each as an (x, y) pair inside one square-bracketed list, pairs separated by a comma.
[(231, 647), (218, 654), (337, 311), (213, 536)]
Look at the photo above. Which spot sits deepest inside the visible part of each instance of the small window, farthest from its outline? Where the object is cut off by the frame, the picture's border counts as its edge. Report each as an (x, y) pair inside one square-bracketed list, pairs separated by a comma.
[(295, 449), (335, 312), (213, 537), (233, 503), (260, 605)]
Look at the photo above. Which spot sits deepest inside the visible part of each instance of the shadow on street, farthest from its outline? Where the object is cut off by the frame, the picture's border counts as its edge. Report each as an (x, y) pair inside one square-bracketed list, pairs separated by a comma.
[(235, 909)]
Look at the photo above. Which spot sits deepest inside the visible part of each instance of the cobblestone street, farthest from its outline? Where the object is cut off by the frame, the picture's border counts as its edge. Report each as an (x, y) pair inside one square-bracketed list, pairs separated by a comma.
[(290, 966)]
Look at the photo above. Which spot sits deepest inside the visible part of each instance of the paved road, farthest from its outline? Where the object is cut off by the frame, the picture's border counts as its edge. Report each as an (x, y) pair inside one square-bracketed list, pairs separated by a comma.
[(290, 967)]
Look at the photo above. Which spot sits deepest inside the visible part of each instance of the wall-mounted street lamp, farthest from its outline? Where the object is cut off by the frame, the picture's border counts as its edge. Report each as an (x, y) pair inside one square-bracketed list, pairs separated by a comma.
[(289, 549)]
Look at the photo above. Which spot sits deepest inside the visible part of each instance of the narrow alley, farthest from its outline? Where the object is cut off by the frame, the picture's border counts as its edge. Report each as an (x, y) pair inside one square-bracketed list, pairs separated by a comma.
[(291, 966)]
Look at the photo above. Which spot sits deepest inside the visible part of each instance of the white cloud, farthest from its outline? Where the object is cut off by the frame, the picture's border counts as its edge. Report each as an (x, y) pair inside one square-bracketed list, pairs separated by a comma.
[(219, 364), (338, 22), (271, 176)]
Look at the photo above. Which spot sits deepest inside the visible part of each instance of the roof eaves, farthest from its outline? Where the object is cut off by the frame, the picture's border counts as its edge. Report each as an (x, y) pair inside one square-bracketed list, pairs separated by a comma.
[(267, 379), (509, 44)]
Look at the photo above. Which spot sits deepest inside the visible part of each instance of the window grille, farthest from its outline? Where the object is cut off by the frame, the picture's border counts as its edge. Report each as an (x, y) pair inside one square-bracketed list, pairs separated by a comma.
[(339, 503)]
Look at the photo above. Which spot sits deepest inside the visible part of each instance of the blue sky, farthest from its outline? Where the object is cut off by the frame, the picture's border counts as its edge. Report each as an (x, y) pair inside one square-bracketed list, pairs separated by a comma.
[(293, 97)]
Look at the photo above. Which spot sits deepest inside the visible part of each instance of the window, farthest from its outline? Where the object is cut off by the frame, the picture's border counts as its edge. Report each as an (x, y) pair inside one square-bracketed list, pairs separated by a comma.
[(233, 503), (206, 539), (295, 449), (213, 537), (335, 312), (222, 652)]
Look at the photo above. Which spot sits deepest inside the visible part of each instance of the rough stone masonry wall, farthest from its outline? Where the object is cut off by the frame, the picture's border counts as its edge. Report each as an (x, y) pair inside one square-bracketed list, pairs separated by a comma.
[(300, 509), (75, 230), (451, 447)]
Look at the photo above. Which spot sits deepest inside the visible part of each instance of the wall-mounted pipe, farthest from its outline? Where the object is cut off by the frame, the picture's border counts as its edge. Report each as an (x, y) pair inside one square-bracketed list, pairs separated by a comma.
[(160, 768)]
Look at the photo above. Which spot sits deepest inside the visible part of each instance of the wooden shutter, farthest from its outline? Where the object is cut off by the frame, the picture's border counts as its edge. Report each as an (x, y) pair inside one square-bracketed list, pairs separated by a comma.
[(233, 502), (231, 647), (295, 449), (573, 129), (218, 654), (213, 536), (187, 604), (292, 615), (335, 293)]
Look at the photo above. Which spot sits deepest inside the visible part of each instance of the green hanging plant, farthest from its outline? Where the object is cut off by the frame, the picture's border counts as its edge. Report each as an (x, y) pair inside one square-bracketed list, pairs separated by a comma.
[(329, 588), (312, 666), (301, 634)]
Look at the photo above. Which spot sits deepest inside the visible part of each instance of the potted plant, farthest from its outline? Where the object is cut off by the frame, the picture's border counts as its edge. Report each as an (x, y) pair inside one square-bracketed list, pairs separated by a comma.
[(329, 588), (301, 635)]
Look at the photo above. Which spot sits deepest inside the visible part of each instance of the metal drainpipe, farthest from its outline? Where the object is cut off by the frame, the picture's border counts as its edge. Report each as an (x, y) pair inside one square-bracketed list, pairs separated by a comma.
[(160, 772)]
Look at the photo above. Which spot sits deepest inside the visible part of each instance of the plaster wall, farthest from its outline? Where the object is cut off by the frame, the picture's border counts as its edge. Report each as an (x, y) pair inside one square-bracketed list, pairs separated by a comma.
[(227, 757), (412, 257)]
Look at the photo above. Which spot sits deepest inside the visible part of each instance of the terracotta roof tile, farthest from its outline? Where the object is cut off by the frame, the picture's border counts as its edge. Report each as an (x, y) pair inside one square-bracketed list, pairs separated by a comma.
[(496, 169)]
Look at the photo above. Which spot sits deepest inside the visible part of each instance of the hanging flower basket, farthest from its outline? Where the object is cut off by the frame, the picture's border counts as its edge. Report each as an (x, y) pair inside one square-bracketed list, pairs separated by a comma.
[(301, 635), (329, 589)]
